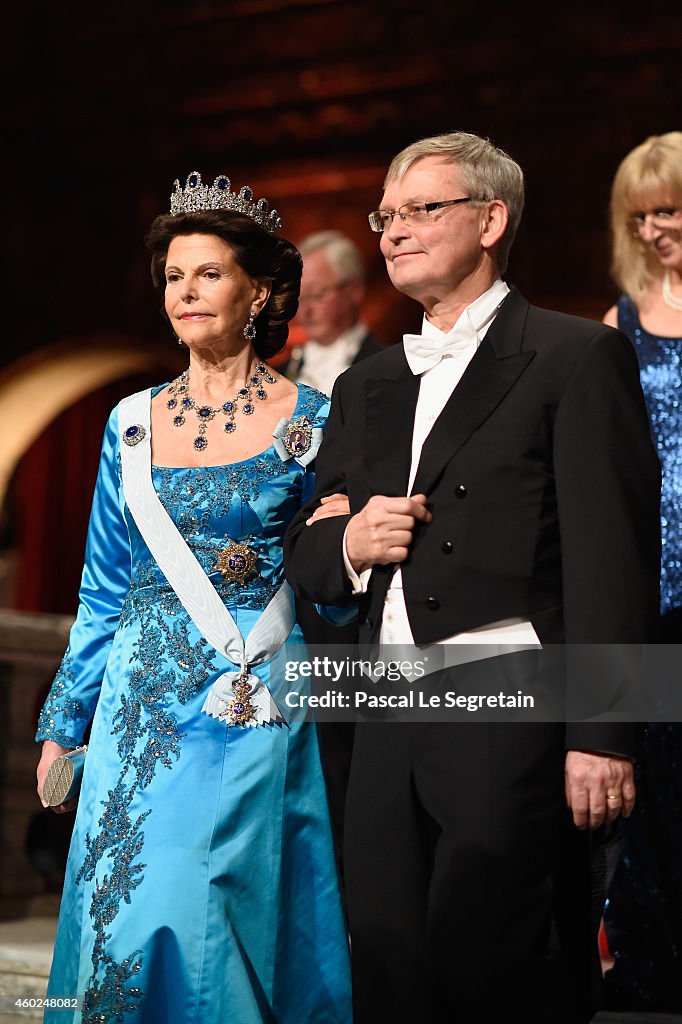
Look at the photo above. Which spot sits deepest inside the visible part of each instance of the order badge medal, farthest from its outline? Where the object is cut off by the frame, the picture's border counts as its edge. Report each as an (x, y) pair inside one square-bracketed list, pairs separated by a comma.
[(237, 562), (238, 709)]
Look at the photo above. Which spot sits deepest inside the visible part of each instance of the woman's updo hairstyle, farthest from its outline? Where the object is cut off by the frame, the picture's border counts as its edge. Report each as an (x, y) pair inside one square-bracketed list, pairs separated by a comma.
[(263, 256)]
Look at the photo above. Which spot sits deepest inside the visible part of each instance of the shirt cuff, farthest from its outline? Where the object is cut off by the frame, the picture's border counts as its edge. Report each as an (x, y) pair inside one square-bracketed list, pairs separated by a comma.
[(361, 582)]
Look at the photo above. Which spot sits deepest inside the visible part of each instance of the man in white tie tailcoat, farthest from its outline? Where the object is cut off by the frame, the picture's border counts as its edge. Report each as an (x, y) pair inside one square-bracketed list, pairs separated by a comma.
[(495, 481)]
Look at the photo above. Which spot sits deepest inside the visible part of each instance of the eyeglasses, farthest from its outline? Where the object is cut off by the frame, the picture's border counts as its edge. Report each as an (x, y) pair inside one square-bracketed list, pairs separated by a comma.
[(661, 219), (411, 213), (322, 294)]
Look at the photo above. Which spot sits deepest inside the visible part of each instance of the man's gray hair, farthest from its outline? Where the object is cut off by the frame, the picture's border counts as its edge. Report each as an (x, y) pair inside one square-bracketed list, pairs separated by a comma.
[(342, 253), (487, 173)]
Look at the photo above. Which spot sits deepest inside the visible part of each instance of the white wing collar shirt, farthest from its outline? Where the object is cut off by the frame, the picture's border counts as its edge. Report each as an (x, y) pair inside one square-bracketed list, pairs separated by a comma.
[(440, 359), (322, 364)]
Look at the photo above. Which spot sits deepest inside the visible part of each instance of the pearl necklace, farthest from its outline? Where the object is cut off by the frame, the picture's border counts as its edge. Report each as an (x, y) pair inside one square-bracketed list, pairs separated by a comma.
[(671, 300), (182, 401)]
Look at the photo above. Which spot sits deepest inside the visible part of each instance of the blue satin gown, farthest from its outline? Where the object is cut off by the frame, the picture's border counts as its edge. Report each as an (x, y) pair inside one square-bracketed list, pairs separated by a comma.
[(201, 883)]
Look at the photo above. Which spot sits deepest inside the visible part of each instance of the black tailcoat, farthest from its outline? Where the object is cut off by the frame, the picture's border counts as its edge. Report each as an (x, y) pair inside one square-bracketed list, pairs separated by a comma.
[(544, 488)]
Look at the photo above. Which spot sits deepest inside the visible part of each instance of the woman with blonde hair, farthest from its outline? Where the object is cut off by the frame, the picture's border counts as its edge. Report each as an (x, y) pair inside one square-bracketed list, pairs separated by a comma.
[(644, 913)]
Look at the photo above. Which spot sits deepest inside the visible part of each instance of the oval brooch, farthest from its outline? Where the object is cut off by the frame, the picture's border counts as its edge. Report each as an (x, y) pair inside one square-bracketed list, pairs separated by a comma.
[(133, 435), (298, 437)]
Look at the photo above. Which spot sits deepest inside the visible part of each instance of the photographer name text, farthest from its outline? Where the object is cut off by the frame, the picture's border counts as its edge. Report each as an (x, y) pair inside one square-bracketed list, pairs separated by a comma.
[(413, 699)]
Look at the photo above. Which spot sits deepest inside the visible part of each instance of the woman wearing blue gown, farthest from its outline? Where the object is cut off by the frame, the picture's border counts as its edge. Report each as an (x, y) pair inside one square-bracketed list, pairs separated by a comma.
[(201, 883), (644, 914)]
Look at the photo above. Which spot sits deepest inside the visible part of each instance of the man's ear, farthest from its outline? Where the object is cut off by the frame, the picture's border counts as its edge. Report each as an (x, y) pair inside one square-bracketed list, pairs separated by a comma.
[(496, 218)]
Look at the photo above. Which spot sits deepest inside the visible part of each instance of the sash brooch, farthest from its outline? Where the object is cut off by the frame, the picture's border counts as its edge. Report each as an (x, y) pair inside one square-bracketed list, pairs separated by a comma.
[(297, 439)]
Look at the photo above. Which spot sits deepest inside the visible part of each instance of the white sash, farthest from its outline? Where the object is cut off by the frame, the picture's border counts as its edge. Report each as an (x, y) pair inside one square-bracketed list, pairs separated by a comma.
[(189, 581)]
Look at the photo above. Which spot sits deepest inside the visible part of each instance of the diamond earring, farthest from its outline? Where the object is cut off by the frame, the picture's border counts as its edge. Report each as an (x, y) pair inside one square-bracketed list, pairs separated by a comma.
[(250, 327)]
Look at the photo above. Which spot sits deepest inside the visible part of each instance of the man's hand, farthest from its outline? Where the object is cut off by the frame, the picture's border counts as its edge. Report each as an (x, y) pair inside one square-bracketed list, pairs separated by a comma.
[(332, 505), (382, 532), (51, 751), (598, 788)]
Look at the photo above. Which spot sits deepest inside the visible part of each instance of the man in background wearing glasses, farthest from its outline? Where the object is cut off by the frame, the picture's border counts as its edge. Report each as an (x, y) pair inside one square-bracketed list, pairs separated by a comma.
[(332, 293), (494, 481)]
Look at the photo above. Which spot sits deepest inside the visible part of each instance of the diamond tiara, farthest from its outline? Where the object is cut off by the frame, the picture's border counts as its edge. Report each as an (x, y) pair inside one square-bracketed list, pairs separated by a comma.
[(219, 196)]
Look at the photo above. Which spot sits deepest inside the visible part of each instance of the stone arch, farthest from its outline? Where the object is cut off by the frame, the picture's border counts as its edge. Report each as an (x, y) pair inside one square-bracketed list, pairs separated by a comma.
[(37, 388)]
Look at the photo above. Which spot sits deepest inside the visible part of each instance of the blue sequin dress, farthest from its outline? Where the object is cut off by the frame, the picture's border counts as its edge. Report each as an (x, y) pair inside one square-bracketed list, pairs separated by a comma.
[(201, 883), (644, 914), (660, 368)]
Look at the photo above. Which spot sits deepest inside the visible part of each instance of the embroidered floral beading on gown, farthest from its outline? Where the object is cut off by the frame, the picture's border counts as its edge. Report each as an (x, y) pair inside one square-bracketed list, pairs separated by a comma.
[(201, 883)]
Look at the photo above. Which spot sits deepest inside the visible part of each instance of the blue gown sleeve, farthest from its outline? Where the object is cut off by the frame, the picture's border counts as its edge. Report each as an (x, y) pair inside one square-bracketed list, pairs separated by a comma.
[(106, 578), (334, 614)]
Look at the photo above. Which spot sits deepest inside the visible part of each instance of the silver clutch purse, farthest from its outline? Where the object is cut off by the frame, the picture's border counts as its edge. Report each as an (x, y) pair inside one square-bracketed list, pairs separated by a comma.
[(63, 779)]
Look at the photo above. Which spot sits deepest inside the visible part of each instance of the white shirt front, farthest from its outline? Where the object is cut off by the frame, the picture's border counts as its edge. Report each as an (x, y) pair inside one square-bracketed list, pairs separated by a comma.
[(435, 389), (322, 364)]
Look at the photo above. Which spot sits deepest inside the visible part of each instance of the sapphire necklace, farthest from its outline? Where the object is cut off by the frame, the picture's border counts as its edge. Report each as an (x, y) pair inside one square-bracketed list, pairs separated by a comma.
[(181, 403)]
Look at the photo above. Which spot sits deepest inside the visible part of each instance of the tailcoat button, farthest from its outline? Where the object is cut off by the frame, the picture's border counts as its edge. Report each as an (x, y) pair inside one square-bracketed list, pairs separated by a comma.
[(461, 491), (433, 604), (446, 547)]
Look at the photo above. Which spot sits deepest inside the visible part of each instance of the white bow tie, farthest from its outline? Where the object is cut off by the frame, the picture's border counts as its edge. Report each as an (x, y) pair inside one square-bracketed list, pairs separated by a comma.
[(424, 351)]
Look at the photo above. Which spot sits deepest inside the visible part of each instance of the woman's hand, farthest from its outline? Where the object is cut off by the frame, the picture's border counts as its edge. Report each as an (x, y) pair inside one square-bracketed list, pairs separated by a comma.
[(51, 751), (332, 505)]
